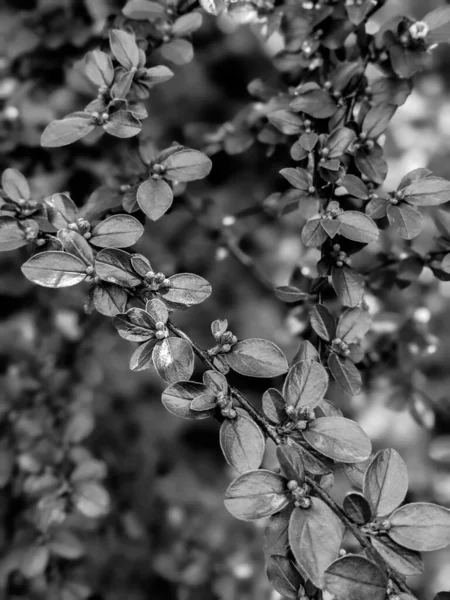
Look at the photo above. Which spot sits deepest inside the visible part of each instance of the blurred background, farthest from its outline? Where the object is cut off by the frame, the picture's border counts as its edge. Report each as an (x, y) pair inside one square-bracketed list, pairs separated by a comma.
[(167, 534)]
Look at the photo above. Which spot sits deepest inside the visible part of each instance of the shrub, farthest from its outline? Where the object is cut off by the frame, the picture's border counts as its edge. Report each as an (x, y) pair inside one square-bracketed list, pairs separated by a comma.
[(322, 117)]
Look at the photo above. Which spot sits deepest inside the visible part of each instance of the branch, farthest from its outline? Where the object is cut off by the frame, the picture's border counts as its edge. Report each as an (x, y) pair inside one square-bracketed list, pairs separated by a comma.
[(272, 433)]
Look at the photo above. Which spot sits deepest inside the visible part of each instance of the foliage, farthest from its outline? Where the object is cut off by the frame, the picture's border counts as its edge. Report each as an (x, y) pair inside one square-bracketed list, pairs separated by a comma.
[(328, 117)]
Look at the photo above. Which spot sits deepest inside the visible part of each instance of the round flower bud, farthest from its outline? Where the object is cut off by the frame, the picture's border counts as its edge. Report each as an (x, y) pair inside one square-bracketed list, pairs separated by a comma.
[(160, 335), (292, 485), (90, 270), (304, 503), (159, 325)]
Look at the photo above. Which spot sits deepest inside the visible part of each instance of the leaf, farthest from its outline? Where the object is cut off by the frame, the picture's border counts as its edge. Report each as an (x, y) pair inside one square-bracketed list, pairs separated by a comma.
[(377, 119), (124, 47), (123, 124), (339, 141), (305, 384), (15, 185), (54, 269), (242, 443), (65, 544), (322, 322), (284, 577), (12, 235), (67, 131), (257, 358), (122, 84), (306, 351), (215, 382), (34, 561), (390, 89), (386, 482), (404, 561), (142, 357), (357, 508), (256, 494), (354, 186), (421, 526), (109, 299), (376, 208), (177, 399), (354, 577), (348, 285), (331, 226), (357, 12), (274, 406), (313, 233), (291, 461), (117, 231), (340, 439), (316, 103), (406, 220), (99, 68), (290, 294), (154, 197), (204, 402), (299, 178), (429, 191), (372, 164), (286, 121), (158, 74), (135, 325), (114, 266), (91, 499), (187, 289), (143, 10), (214, 7), (276, 539), (315, 537), (187, 165), (179, 51), (174, 359), (353, 325), (355, 472), (187, 24), (61, 210), (76, 245), (308, 141), (358, 227)]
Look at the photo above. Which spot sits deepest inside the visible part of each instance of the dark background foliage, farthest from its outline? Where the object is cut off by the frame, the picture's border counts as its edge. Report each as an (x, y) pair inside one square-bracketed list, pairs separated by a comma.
[(168, 534)]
